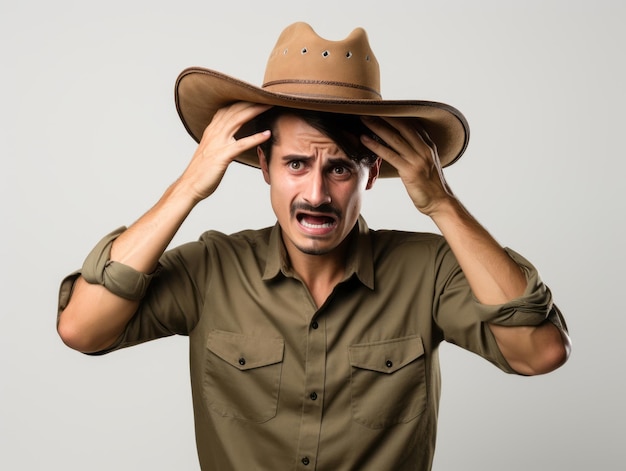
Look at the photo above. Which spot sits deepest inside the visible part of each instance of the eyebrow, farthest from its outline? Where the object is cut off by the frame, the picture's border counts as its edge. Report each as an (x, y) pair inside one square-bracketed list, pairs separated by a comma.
[(289, 157)]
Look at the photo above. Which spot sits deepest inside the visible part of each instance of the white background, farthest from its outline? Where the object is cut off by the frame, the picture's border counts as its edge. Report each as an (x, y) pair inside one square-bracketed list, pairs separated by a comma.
[(89, 139)]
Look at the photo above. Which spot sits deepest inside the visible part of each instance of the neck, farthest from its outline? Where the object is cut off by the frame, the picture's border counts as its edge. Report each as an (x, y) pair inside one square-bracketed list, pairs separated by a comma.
[(320, 273)]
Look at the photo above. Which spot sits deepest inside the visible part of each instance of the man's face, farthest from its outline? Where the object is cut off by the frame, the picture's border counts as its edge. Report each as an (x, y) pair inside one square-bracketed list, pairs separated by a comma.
[(315, 189)]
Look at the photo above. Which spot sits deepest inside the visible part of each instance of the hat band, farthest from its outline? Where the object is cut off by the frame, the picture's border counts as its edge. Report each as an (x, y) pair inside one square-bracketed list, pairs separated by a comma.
[(329, 83)]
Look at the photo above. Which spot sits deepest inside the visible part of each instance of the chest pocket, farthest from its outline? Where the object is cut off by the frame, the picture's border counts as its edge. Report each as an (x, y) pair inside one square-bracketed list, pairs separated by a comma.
[(388, 381), (242, 375)]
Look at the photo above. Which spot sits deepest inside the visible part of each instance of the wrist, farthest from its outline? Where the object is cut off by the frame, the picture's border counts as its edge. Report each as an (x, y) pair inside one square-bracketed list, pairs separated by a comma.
[(444, 208), (182, 193)]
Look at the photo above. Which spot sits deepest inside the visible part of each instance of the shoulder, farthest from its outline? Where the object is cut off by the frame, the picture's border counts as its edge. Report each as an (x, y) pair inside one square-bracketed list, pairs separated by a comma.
[(405, 241), (215, 244), (247, 237), (215, 250), (239, 245), (396, 249)]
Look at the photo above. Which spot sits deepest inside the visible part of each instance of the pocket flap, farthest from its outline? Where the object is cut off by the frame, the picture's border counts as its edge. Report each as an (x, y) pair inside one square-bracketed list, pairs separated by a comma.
[(245, 352), (387, 356)]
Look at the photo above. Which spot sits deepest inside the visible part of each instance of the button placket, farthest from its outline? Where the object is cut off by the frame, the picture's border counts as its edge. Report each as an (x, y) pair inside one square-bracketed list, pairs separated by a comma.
[(315, 368)]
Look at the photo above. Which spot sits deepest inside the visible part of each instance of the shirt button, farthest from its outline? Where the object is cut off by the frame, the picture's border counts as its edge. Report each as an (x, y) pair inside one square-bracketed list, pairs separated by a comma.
[(305, 461), (389, 363), (315, 325), (313, 396), (242, 361)]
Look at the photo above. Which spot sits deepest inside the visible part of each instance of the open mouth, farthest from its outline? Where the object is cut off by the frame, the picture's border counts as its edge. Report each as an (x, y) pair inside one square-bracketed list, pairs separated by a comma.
[(315, 221)]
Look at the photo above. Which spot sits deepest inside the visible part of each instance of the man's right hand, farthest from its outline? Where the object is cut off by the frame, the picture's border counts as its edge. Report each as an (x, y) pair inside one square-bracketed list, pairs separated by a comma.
[(218, 148)]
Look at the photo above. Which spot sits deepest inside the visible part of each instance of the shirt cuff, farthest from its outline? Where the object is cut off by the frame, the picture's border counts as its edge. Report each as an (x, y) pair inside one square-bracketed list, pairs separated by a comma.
[(530, 309), (121, 280)]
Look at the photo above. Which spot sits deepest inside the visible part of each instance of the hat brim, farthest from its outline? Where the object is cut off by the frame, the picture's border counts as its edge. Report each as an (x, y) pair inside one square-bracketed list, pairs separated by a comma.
[(200, 93)]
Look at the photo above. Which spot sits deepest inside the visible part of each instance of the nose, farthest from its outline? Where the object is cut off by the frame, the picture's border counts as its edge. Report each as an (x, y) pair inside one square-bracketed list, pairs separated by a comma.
[(316, 192)]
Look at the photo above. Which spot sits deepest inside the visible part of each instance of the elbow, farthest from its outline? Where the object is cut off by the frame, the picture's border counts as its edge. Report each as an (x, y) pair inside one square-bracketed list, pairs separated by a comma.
[(74, 336), (70, 334), (559, 353), (86, 320), (532, 351), (551, 356)]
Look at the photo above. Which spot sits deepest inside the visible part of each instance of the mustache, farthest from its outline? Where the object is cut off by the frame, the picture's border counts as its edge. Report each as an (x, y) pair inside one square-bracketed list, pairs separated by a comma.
[(325, 208)]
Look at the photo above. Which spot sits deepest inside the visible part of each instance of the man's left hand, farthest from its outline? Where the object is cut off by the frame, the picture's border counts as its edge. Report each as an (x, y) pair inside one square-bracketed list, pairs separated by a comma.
[(413, 154)]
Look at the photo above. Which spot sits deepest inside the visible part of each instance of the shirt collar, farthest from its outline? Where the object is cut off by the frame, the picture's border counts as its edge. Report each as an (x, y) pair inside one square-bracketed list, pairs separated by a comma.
[(360, 260)]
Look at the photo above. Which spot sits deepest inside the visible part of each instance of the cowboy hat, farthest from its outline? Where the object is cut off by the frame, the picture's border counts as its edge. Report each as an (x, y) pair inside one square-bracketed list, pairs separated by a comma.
[(305, 71)]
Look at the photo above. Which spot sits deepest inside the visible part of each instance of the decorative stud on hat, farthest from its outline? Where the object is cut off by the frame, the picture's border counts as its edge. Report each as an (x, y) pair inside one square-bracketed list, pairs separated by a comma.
[(305, 71)]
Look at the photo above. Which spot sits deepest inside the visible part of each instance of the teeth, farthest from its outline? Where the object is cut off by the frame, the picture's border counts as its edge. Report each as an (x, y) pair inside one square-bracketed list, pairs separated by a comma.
[(316, 226)]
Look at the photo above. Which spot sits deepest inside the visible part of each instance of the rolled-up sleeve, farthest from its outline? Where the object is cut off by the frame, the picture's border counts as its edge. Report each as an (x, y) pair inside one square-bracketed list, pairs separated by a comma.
[(464, 320), (170, 299)]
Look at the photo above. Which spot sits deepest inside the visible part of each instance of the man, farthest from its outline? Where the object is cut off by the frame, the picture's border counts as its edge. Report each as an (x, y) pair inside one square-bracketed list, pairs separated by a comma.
[(314, 344)]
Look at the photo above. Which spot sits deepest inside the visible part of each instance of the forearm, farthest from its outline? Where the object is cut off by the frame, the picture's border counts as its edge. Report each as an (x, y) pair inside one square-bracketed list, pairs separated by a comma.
[(494, 277), (143, 243)]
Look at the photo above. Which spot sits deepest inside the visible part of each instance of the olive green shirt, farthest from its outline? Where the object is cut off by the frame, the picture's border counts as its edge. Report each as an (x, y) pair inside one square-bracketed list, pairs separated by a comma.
[(279, 383)]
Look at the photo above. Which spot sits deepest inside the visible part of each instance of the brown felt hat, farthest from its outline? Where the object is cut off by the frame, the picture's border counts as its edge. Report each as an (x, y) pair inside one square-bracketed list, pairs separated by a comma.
[(305, 71)]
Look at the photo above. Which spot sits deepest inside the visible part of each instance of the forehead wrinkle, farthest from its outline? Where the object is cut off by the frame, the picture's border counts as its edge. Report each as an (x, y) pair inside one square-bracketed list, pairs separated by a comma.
[(316, 144), (314, 151), (306, 138)]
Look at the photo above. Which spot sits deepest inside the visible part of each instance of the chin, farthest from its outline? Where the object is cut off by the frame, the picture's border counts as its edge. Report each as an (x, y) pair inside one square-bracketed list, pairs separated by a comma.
[(314, 250)]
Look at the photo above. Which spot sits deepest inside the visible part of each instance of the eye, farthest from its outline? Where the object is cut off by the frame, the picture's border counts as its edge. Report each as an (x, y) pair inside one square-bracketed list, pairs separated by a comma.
[(340, 171), (295, 165)]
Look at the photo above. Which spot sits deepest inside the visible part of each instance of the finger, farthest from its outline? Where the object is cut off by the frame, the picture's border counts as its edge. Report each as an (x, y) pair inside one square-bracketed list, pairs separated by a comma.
[(232, 117), (413, 133), (250, 142), (416, 135), (389, 135), (384, 142), (401, 135), (423, 133), (406, 147), (245, 111), (382, 150), (434, 154), (425, 137)]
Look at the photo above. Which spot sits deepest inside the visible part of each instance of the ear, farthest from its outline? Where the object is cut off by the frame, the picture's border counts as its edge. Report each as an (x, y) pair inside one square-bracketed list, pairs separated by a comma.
[(264, 165), (374, 172)]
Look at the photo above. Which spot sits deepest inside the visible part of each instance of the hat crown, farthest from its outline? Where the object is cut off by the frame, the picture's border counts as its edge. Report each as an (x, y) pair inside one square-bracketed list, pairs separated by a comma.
[(302, 63)]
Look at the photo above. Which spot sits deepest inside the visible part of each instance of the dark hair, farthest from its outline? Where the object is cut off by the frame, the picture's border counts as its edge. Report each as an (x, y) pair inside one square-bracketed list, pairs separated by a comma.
[(345, 130)]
